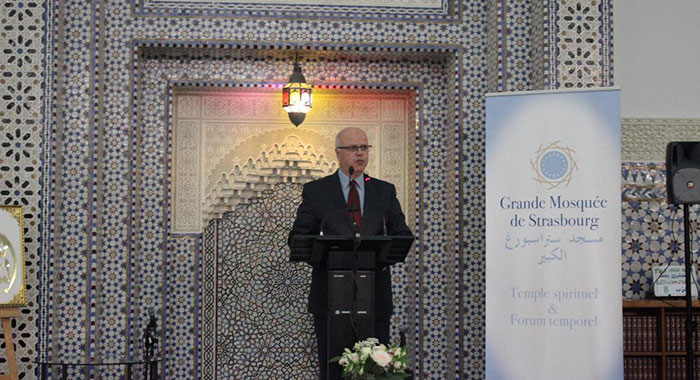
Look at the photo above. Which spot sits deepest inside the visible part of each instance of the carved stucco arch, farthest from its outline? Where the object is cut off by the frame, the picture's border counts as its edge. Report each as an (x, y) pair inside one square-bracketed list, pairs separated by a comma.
[(255, 165), (230, 145)]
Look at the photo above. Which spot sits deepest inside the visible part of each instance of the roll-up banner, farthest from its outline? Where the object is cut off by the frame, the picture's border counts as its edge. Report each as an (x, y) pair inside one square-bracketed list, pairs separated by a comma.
[(553, 277)]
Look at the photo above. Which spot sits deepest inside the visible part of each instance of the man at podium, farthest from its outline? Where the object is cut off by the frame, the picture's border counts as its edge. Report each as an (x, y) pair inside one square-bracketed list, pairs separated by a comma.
[(349, 203)]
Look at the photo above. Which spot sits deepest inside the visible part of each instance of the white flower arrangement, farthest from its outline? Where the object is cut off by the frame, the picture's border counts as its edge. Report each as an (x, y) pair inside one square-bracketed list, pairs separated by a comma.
[(370, 360)]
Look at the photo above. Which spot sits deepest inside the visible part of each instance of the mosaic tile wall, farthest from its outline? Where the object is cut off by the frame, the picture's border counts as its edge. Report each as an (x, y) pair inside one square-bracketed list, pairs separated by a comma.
[(22, 109), (262, 327), (90, 162), (157, 71), (341, 9), (242, 328), (652, 229)]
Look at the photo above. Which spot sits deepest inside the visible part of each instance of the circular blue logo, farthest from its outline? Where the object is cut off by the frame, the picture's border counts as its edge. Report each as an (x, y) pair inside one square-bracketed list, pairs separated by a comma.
[(554, 164)]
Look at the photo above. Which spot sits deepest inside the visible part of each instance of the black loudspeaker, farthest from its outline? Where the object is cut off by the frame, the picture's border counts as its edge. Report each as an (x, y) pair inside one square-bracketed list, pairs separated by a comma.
[(683, 172)]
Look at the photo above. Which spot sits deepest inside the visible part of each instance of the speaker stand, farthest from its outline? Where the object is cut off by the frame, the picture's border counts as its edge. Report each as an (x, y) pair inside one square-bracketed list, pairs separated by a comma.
[(689, 323)]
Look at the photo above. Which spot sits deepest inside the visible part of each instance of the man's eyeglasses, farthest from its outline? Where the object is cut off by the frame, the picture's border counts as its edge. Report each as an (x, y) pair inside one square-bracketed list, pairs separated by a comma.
[(355, 148)]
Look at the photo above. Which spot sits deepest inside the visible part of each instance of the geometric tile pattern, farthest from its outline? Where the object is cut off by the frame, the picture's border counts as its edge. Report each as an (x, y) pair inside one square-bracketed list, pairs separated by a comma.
[(21, 102), (643, 181), (538, 47), (433, 10), (652, 230), (518, 50), (469, 235), (256, 300), (181, 329), (550, 45), (103, 197), (262, 329), (579, 47)]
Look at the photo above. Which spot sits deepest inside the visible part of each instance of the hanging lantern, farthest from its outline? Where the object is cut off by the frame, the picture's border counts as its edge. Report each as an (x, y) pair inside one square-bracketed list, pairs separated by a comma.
[(296, 96)]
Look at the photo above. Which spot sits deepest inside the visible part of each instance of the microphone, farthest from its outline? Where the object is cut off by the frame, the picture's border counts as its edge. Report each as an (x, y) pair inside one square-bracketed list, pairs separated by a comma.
[(384, 224), (351, 171), (323, 221)]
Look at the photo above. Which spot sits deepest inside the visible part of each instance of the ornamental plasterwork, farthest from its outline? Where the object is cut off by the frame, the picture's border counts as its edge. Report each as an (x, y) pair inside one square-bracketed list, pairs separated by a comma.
[(290, 161), (230, 146), (644, 140), (578, 43)]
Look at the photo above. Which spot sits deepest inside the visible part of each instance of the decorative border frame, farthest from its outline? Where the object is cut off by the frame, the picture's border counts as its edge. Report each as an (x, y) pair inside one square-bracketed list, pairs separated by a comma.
[(207, 292), (342, 88), (449, 10), (450, 56)]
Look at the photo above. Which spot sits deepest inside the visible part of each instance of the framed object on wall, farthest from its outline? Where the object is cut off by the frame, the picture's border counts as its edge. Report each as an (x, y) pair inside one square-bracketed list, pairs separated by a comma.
[(12, 279)]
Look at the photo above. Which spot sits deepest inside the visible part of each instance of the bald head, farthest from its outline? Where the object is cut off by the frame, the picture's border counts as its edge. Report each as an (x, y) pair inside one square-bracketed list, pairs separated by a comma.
[(351, 137), (349, 131)]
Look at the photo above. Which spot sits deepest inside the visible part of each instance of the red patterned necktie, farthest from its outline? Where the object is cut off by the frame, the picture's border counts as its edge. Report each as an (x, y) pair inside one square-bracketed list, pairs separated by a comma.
[(354, 204)]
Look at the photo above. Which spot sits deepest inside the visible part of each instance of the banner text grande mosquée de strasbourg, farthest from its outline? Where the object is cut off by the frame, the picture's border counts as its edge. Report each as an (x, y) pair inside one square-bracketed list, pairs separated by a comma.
[(555, 202)]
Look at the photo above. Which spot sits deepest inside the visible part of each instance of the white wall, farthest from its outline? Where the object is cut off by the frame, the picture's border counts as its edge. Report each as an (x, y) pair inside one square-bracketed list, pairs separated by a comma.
[(657, 57)]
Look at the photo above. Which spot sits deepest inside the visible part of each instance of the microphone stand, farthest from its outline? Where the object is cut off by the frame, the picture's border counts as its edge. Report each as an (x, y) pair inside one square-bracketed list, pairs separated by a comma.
[(355, 245)]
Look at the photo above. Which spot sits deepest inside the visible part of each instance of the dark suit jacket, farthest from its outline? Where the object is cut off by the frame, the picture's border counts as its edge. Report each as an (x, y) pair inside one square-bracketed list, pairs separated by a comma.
[(323, 206)]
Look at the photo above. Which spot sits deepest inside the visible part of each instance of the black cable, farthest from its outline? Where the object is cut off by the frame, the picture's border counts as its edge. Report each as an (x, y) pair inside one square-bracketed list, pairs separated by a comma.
[(674, 255), (694, 237)]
